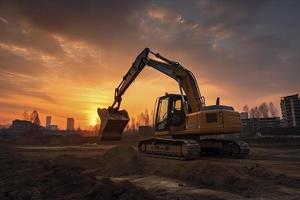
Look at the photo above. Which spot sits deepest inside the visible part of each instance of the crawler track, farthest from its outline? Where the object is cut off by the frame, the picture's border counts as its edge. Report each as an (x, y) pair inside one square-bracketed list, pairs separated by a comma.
[(187, 149)]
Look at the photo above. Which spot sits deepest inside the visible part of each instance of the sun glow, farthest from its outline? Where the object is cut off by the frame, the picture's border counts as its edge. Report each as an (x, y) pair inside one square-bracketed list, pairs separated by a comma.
[(93, 118)]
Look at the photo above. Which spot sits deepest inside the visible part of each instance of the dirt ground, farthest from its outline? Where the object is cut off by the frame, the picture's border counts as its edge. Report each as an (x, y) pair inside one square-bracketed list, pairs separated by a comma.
[(118, 171)]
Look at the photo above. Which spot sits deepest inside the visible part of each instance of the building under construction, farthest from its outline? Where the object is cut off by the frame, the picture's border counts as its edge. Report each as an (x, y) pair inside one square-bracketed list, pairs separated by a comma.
[(290, 108)]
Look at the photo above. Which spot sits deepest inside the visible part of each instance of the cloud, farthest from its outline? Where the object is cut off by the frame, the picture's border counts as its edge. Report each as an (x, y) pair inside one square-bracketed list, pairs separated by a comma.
[(16, 31), (12, 62), (14, 84), (225, 44), (245, 50), (92, 20), (164, 14)]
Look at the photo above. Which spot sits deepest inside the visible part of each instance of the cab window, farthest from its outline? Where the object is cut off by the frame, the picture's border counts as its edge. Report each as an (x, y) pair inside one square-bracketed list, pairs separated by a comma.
[(177, 105), (162, 114)]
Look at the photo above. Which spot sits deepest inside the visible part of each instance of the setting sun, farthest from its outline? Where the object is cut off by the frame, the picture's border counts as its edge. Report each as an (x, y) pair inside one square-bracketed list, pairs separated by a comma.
[(93, 118)]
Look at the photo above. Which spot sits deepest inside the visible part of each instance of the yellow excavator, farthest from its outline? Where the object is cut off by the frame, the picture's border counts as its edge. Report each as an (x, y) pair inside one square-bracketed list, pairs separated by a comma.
[(185, 128)]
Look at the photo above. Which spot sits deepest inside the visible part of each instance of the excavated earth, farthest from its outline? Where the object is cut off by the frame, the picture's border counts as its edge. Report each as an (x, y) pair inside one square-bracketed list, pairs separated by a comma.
[(23, 178), (118, 171)]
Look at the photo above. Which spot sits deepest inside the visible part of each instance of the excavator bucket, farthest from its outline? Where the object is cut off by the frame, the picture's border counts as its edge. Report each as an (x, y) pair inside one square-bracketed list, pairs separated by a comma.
[(112, 124)]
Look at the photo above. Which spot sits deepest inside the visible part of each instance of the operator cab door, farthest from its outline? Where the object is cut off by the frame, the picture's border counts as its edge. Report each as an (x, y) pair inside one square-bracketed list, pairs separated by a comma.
[(169, 112), (162, 120)]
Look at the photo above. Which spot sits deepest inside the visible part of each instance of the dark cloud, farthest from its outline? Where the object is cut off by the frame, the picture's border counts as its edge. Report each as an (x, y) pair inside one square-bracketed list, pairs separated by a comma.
[(31, 39), (237, 43), (90, 20), (229, 16), (16, 31)]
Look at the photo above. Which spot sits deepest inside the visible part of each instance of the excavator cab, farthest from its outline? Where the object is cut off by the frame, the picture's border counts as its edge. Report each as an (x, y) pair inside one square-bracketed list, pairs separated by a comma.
[(169, 112)]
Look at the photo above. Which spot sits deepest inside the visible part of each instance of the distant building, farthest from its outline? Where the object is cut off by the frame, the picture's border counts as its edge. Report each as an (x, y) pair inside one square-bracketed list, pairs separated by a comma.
[(48, 121), (70, 124), (290, 109), (19, 127), (244, 115), (258, 123), (53, 127), (21, 124)]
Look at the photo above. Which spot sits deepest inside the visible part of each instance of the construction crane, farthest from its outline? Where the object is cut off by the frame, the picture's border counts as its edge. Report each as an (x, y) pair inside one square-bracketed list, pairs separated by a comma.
[(185, 128)]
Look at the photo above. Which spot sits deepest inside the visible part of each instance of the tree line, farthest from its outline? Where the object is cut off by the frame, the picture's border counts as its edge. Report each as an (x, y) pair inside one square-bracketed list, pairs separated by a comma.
[(142, 119), (263, 110)]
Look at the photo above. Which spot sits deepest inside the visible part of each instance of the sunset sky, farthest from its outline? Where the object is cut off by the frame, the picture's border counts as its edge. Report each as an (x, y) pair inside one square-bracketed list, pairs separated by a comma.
[(64, 58)]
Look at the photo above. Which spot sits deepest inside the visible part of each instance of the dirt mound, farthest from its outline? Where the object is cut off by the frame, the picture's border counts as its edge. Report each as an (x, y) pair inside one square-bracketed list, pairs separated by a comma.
[(122, 160), (260, 172), (80, 162), (34, 179), (203, 173), (214, 175), (106, 189)]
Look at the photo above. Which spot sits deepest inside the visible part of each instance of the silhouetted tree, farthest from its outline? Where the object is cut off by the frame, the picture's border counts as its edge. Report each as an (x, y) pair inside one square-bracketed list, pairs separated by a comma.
[(146, 118), (263, 110), (273, 110), (34, 117), (246, 108), (132, 124), (143, 118), (256, 112), (26, 115), (252, 113)]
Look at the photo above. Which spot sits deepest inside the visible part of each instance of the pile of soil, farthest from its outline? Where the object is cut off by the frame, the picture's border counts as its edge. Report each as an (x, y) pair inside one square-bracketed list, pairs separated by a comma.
[(240, 178), (122, 161), (84, 163), (125, 160), (40, 179), (212, 175), (205, 174)]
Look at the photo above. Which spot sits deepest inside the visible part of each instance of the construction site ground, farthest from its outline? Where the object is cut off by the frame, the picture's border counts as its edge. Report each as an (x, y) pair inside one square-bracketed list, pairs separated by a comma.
[(115, 170)]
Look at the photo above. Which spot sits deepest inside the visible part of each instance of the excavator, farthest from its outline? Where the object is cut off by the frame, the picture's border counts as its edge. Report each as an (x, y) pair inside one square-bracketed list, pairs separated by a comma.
[(185, 128)]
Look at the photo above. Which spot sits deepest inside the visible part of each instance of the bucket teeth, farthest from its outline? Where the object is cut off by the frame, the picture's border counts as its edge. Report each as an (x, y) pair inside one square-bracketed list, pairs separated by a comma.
[(112, 124)]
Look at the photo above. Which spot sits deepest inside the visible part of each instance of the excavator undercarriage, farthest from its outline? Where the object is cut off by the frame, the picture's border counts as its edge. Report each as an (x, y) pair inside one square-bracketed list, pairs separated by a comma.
[(186, 149)]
